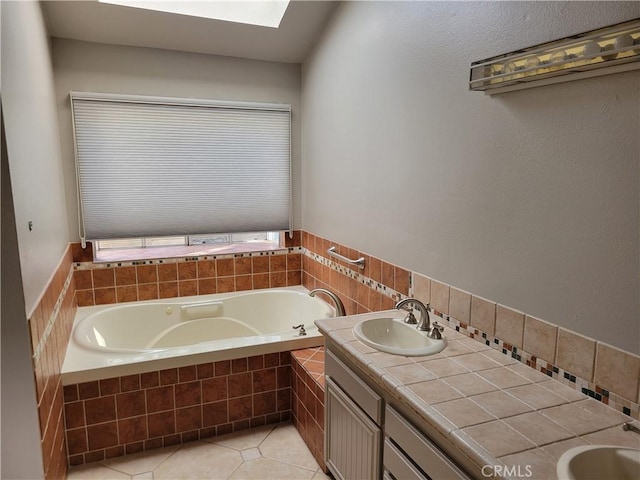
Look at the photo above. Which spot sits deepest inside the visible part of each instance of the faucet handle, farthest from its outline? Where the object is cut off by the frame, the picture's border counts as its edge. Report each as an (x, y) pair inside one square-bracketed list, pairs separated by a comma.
[(302, 330), (410, 318), (436, 331)]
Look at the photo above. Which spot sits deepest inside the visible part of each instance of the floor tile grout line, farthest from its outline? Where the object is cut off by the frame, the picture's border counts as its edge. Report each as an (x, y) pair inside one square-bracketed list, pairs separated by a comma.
[(292, 464), (167, 459), (236, 469)]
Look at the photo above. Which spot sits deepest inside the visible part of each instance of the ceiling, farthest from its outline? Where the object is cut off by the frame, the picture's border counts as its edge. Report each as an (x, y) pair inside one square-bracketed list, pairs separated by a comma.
[(91, 21)]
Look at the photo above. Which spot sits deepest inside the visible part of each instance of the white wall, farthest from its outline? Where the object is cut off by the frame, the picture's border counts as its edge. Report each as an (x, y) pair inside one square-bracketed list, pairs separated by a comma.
[(33, 145), (94, 67), (21, 455), (530, 198)]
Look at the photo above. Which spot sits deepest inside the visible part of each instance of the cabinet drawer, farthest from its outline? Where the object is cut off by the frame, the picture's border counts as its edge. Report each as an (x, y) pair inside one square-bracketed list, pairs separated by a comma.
[(420, 449), (398, 465), (365, 397)]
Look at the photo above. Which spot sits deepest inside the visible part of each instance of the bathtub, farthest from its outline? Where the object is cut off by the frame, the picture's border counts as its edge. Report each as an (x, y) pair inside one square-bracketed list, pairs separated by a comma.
[(124, 339)]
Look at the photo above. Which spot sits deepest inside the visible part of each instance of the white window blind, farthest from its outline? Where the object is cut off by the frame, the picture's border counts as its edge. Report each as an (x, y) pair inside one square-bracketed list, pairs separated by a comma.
[(150, 166)]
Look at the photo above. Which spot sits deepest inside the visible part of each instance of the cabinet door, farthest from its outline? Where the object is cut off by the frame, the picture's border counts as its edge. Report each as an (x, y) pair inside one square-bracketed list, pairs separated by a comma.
[(352, 439)]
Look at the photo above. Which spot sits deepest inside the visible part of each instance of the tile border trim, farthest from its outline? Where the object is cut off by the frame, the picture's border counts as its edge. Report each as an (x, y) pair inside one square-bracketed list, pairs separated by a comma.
[(162, 261), (53, 317)]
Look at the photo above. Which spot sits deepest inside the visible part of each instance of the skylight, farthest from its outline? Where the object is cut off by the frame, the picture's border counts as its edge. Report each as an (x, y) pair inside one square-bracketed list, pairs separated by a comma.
[(265, 13)]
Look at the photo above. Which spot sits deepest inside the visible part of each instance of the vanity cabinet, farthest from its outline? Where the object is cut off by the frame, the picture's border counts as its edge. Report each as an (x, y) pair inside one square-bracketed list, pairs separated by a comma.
[(408, 454), (367, 438), (352, 424)]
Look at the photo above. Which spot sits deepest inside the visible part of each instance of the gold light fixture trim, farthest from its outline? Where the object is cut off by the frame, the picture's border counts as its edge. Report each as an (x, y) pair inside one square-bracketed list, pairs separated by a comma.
[(597, 52)]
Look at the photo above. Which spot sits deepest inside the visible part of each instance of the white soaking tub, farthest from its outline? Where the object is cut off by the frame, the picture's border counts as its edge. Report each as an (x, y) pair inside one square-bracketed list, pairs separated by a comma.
[(115, 340)]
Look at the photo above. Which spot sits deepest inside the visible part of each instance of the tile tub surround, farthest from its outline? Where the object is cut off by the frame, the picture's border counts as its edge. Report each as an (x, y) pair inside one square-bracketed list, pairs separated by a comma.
[(50, 326), (495, 410), (307, 399), (125, 415), (597, 370), (108, 283)]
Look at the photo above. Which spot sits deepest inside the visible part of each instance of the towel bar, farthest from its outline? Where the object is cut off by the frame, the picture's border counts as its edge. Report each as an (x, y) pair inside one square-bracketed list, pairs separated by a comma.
[(332, 253)]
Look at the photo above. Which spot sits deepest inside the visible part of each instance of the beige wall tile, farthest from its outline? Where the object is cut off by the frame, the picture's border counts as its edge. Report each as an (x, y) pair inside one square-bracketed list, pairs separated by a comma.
[(483, 315), (617, 371), (540, 338), (440, 296), (576, 353), (460, 305), (509, 325), (421, 288)]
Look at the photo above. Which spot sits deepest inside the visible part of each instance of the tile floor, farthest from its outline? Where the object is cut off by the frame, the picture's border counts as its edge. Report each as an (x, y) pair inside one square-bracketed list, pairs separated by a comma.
[(270, 452)]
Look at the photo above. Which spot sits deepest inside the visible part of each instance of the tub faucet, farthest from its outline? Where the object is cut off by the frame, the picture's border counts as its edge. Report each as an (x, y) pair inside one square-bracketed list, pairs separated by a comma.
[(338, 303), (425, 323), (303, 332)]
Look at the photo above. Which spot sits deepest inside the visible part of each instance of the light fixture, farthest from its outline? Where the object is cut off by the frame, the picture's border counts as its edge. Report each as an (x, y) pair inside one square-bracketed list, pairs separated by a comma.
[(597, 52)]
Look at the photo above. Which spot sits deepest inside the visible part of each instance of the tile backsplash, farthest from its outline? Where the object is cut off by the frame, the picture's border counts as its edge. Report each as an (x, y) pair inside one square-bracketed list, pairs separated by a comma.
[(130, 281), (593, 368)]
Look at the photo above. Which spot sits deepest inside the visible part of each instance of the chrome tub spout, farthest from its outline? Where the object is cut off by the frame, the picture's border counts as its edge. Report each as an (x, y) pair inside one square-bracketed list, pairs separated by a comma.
[(338, 303)]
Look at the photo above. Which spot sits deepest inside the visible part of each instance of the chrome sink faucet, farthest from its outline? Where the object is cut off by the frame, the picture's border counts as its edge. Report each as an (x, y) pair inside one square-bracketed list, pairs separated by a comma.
[(425, 323)]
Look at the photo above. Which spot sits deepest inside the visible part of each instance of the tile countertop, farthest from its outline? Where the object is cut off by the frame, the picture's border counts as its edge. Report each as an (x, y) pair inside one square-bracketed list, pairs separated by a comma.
[(496, 410)]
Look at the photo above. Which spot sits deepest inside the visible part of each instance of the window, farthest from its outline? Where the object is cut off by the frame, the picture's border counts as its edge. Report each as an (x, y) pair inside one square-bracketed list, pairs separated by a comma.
[(179, 246), (152, 167)]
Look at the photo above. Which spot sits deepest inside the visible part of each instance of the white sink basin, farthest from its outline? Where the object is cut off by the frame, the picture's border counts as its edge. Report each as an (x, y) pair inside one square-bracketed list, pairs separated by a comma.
[(599, 462), (392, 335)]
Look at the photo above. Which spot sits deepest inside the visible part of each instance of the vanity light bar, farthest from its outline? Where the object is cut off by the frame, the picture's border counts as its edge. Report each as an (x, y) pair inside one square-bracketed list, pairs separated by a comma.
[(598, 52)]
